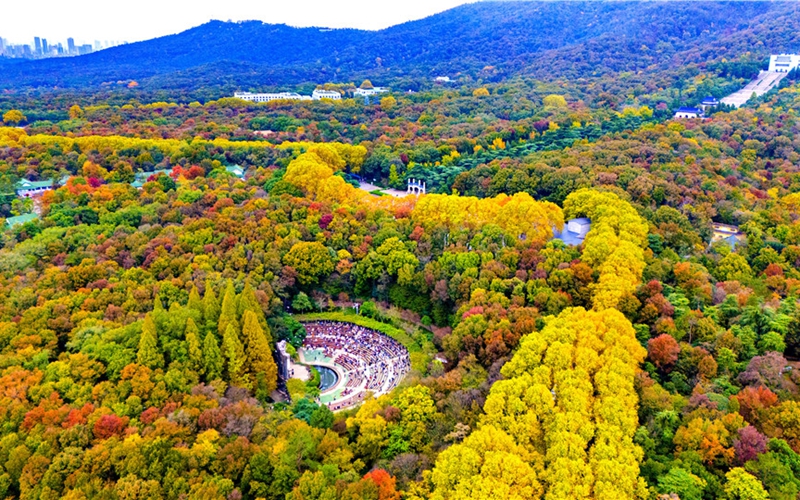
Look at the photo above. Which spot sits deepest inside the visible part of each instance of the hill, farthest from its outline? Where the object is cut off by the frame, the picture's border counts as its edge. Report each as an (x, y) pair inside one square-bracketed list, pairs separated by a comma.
[(539, 38)]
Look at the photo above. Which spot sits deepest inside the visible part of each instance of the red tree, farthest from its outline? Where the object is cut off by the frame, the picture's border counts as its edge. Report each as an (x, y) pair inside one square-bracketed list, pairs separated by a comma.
[(385, 484), (663, 351), (109, 425)]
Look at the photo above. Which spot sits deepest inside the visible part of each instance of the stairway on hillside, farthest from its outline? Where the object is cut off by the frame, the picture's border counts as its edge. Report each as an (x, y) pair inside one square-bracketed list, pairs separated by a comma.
[(763, 83)]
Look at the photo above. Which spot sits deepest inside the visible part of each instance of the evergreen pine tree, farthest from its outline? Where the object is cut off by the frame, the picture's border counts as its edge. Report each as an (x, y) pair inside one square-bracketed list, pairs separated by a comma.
[(258, 347), (149, 354), (235, 357), (227, 315), (210, 308), (249, 302), (213, 361), (159, 314), (193, 346), (195, 302)]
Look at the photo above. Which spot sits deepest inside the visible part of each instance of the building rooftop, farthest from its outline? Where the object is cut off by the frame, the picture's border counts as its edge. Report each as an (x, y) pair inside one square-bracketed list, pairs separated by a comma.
[(20, 219), (26, 184), (690, 110)]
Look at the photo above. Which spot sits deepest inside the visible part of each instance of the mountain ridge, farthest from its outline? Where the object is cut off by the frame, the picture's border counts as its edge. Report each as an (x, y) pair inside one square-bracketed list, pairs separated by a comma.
[(511, 36)]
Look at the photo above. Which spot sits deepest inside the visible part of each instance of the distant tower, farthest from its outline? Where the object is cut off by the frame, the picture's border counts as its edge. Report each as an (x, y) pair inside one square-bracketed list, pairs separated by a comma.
[(70, 45), (45, 47), (416, 186), (38, 43)]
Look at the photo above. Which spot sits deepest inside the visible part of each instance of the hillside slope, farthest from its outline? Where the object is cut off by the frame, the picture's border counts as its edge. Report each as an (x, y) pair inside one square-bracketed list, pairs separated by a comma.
[(542, 38)]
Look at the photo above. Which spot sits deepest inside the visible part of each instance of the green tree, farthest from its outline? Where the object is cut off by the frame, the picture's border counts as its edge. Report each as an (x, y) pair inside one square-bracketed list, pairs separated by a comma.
[(301, 303), (227, 315), (148, 354), (195, 302), (193, 345), (234, 357), (684, 484), (213, 362), (210, 307)]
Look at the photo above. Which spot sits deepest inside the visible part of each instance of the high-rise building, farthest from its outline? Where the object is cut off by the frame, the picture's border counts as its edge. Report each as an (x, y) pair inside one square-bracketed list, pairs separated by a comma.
[(45, 47), (71, 45), (38, 44)]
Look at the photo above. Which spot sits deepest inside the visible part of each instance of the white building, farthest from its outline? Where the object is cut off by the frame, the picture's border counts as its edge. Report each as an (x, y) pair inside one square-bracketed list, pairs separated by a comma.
[(326, 94), (292, 96), (574, 232), (442, 79), (370, 92), (689, 113), (783, 63)]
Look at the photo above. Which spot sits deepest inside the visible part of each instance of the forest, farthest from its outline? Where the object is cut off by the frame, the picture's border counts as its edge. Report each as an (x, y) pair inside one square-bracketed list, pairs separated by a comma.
[(144, 294)]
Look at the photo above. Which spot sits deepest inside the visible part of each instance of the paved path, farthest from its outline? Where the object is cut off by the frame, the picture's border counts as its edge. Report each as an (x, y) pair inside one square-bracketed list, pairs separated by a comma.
[(765, 82), (365, 186)]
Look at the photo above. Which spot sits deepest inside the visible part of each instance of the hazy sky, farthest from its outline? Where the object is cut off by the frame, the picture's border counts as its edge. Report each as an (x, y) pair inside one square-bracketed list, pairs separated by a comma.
[(89, 20)]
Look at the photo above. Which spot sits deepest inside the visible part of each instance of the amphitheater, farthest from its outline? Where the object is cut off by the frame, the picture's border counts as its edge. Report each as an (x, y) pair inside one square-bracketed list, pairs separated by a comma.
[(352, 361)]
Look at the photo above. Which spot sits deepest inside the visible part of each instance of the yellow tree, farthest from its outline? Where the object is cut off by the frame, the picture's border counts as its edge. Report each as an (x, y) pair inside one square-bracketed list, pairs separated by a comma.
[(261, 367), (569, 405), (14, 117)]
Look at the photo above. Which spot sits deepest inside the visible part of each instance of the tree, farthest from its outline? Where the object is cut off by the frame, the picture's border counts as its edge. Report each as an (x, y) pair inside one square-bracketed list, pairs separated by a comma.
[(555, 101), (235, 358), (75, 112), (385, 483), (213, 362), (195, 303), (258, 349), (311, 261), (227, 315), (480, 92), (14, 117), (750, 444), (733, 267), (366, 84), (388, 103), (301, 303), (210, 308), (192, 335), (685, 484), (663, 351), (149, 354), (741, 485)]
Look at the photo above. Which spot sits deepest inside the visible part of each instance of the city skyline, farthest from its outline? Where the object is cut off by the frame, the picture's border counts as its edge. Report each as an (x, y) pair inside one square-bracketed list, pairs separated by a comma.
[(42, 48), (90, 20)]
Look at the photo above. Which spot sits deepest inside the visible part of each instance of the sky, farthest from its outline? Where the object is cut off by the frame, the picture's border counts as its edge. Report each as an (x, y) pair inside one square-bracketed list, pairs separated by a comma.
[(115, 20)]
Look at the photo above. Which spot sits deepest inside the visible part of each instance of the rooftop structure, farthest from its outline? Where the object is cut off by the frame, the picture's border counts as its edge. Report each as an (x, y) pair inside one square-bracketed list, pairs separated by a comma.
[(370, 92), (574, 232), (20, 219), (27, 188), (726, 232), (267, 97), (689, 113), (326, 94), (236, 170), (442, 79), (783, 63)]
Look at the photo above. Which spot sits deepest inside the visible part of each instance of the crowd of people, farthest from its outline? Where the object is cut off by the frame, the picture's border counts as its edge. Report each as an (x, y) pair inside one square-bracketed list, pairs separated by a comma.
[(370, 360)]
